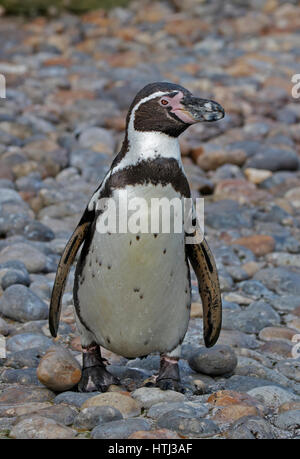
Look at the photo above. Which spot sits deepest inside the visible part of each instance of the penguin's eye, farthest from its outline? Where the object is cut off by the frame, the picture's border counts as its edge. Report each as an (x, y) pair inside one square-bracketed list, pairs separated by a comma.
[(164, 102)]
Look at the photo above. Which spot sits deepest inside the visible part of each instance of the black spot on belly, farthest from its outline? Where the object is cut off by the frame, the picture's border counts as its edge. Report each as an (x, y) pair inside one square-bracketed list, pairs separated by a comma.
[(130, 242), (145, 343), (155, 235), (137, 238), (165, 250), (108, 340), (141, 297), (136, 289), (108, 266)]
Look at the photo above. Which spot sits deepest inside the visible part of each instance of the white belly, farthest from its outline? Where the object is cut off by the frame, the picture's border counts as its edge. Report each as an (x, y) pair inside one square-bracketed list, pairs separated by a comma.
[(134, 291)]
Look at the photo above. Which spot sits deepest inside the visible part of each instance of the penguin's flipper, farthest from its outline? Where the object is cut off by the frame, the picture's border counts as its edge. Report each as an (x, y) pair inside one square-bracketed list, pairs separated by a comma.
[(63, 269), (204, 265)]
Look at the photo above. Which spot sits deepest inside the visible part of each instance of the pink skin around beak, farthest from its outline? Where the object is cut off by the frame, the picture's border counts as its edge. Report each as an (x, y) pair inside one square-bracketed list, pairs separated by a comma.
[(178, 109)]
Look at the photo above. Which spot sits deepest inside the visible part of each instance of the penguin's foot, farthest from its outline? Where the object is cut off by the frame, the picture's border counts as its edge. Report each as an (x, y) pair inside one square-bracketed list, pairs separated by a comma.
[(95, 376), (168, 376)]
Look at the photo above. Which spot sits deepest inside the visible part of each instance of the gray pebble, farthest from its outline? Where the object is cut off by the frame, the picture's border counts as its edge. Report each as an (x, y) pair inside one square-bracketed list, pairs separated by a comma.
[(218, 360), (90, 417), (27, 341), (250, 428), (187, 424), (20, 303), (119, 429)]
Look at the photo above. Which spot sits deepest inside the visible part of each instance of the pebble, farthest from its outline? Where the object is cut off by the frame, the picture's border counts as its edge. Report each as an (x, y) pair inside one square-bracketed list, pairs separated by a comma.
[(91, 417), (38, 427), (148, 396), (20, 303), (119, 429), (272, 396), (34, 260), (121, 401), (74, 398), (250, 428), (27, 341), (187, 424), (157, 434), (58, 369), (290, 420), (159, 409), (216, 361)]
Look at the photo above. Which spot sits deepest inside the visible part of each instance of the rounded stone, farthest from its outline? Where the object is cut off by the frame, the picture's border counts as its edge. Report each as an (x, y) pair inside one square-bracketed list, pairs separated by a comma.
[(148, 396), (59, 370), (289, 420), (272, 396), (119, 429), (27, 341), (122, 401), (38, 427), (216, 361), (250, 427), (34, 260), (20, 303), (186, 424), (277, 334), (90, 417)]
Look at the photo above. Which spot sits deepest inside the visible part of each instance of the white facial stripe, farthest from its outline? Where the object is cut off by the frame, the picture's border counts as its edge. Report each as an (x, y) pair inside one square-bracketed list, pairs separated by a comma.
[(142, 101)]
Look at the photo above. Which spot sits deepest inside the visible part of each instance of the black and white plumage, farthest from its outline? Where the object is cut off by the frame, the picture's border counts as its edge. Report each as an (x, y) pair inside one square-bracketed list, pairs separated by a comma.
[(132, 291)]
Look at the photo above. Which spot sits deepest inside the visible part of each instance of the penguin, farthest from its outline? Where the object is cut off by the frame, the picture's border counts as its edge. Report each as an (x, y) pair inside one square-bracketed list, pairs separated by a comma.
[(132, 290)]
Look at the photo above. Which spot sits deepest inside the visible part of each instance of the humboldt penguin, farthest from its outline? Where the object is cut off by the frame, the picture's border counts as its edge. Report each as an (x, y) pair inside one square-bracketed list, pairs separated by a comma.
[(132, 290)]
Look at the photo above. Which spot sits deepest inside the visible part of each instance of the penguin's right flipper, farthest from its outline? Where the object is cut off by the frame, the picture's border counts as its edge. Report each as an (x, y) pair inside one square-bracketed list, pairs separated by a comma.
[(204, 265), (64, 267)]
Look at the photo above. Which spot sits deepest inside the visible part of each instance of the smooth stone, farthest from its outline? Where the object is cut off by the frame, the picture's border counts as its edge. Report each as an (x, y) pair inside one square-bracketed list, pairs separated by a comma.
[(243, 383), (38, 427), (290, 368), (73, 398), (58, 369), (236, 338), (37, 231), (216, 361), (277, 348), (186, 424), (231, 413), (274, 159), (4, 327), (277, 334), (27, 341), (259, 244), (21, 395), (249, 428), (148, 396), (280, 280), (119, 429), (286, 303), (271, 396), (288, 406), (20, 303), (6, 424), (62, 414), (7, 195), (290, 420), (254, 318), (14, 276), (25, 376), (123, 402), (22, 409), (91, 417), (194, 409), (33, 259)]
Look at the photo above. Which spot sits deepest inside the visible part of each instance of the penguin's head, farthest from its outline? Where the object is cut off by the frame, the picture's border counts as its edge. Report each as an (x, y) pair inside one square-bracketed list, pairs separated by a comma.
[(170, 109)]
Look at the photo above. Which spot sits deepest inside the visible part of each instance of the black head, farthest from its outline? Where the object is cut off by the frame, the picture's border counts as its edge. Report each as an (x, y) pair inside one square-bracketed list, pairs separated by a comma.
[(170, 108)]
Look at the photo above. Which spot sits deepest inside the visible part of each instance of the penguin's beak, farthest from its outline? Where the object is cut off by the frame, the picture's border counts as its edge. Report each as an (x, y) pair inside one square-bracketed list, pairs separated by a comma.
[(201, 109)]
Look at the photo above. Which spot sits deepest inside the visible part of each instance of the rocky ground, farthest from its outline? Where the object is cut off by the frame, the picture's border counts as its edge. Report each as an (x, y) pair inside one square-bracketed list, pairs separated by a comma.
[(69, 83)]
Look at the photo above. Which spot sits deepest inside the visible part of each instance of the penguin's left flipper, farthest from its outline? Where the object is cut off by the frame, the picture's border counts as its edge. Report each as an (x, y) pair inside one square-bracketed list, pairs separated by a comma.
[(64, 267), (204, 265)]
